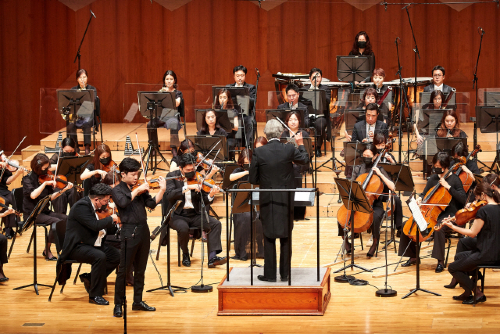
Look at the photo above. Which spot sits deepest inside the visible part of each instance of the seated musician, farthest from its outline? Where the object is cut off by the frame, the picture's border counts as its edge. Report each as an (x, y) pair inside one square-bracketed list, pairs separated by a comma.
[(99, 167), (369, 156), (223, 101), (441, 164), (321, 120), (362, 47), (365, 130), (10, 174), (293, 95), (438, 81), (370, 95), (3, 247), (71, 196), (84, 241), (33, 192), (470, 167), (83, 123), (187, 146), (174, 124), (378, 77), (241, 221), (450, 126), (189, 213), (493, 180), (482, 245), (239, 74), (437, 99)]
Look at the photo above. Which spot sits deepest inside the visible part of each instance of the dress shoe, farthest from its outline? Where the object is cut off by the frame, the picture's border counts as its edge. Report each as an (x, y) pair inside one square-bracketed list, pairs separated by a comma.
[(216, 261), (117, 311), (462, 297), (51, 258), (409, 263), (439, 268), (4, 279), (373, 248), (265, 279), (98, 300), (284, 279), (470, 300), (452, 285), (186, 261), (142, 306), (85, 279)]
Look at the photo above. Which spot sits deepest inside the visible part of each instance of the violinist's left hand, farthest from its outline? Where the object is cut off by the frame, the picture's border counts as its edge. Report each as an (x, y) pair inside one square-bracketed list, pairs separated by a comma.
[(445, 184), (68, 186), (162, 182), (444, 223), (214, 191)]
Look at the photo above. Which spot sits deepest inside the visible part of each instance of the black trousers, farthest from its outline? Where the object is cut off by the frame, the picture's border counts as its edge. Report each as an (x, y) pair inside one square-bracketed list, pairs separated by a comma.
[(249, 126), (86, 127), (182, 223), (10, 220), (174, 133), (57, 223), (270, 257), (462, 268), (320, 125), (103, 259), (407, 247), (242, 232), (3, 249), (137, 254), (60, 204), (378, 214)]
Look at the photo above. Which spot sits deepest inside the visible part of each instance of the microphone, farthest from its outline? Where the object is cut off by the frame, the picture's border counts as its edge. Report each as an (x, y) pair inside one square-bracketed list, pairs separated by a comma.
[(397, 39), (258, 73), (91, 12), (480, 30)]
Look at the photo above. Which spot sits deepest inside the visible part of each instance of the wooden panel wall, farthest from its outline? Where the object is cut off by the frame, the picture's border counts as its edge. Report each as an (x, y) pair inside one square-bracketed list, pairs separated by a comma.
[(136, 41)]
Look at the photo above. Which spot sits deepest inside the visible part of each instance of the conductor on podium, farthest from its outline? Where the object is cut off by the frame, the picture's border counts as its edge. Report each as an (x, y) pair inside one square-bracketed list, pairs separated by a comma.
[(272, 168)]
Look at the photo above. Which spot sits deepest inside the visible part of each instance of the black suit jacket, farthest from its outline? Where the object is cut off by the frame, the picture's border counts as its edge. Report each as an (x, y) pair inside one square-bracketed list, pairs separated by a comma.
[(253, 95), (430, 88), (272, 168), (174, 193), (359, 131), (82, 226)]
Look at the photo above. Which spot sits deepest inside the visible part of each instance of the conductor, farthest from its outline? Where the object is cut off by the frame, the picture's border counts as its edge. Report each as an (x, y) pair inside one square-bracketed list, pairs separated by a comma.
[(272, 168)]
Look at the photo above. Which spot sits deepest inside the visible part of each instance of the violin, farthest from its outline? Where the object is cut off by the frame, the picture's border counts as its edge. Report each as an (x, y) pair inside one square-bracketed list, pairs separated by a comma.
[(111, 166), (61, 180), (373, 186), (207, 184), (466, 179), (3, 205), (12, 165), (465, 215), (435, 201), (108, 212), (153, 184), (206, 164)]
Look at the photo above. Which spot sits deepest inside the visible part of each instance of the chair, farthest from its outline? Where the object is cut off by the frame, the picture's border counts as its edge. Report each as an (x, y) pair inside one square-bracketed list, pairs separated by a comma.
[(58, 273), (476, 273), (17, 194), (449, 236)]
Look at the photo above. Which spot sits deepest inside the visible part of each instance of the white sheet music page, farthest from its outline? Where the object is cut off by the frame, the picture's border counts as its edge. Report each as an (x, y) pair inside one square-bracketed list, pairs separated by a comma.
[(417, 215)]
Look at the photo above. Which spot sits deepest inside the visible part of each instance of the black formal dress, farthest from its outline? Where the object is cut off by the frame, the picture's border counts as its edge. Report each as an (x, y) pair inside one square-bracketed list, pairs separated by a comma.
[(85, 124), (82, 232), (190, 215), (482, 250), (359, 131), (398, 205), (71, 196), (272, 168), (249, 121), (457, 202), (56, 221), (300, 105), (322, 121), (135, 229), (10, 220)]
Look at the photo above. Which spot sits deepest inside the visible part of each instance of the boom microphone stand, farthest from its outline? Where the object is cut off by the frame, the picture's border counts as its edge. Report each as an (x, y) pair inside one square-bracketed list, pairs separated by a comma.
[(78, 55)]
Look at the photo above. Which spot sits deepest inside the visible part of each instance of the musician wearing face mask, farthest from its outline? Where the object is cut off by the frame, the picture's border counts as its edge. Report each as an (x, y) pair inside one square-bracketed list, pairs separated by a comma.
[(369, 157), (10, 174), (293, 95), (189, 213), (99, 167), (452, 183), (365, 130), (363, 47)]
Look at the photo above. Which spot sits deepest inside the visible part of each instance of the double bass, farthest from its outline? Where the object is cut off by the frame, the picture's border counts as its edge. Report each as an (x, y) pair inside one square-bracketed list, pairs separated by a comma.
[(373, 186)]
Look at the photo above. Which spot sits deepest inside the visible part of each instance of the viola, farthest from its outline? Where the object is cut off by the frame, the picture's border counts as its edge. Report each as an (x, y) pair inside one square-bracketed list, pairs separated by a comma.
[(3, 205), (205, 163), (61, 180), (110, 166)]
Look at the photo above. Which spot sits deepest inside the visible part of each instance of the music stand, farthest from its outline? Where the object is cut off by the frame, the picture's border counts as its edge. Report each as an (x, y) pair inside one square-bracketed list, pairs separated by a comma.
[(354, 197), (40, 206), (487, 119), (354, 116), (283, 113), (72, 167), (429, 120), (317, 100), (149, 105), (224, 117), (205, 144), (239, 95), (75, 103), (425, 98), (441, 144), (354, 68), (354, 153)]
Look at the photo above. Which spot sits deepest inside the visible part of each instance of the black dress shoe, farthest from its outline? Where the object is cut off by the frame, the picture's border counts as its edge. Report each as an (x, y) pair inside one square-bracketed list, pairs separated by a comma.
[(98, 300), (470, 300), (439, 268), (85, 279), (51, 258), (409, 263), (462, 297), (4, 279), (216, 261), (265, 279), (117, 311), (186, 261), (318, 153), (142, 306)]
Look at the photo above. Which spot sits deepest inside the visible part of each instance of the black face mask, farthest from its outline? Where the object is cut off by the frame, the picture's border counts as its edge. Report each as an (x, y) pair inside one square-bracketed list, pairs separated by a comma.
[(367, 161), (105, 161), (103, 208), (190, 175), (44, 171), (361, 44), (437, 170)]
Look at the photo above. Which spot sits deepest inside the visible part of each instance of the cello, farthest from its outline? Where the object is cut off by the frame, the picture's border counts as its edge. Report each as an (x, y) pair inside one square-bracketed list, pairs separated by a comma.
[(466, 179), (373, 186), (434, 202)]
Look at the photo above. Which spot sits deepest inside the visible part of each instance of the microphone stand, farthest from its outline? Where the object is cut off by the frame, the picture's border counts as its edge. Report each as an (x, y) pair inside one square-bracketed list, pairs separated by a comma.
[(85, 33), (417, 53)]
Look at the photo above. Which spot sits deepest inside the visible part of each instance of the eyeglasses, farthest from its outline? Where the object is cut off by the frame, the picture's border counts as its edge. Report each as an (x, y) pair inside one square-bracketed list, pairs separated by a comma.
[(437, 75)]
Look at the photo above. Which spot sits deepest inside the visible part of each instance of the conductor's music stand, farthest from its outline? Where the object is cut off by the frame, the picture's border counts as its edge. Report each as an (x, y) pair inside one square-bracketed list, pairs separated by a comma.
[(354, 68), (354, 197), (487, 119), (40, 206), (150, 103), (72, 167)]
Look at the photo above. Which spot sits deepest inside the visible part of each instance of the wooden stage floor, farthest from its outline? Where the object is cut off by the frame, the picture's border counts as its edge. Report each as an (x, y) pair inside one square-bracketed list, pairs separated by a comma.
[(352, 309)]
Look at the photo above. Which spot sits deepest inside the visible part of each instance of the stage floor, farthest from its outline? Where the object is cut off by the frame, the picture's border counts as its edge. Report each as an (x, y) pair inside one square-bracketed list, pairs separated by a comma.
[(352, 309)]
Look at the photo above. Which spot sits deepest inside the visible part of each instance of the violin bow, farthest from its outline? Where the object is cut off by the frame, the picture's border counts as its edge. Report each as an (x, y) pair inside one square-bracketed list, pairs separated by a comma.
[(140, 155), (3, 169), (213, 148)]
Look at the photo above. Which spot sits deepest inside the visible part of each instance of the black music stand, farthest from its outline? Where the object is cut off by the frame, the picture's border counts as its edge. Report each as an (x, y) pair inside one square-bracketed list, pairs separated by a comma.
[(40, 206), (353, 153), (354, 116), (239, 95), (354, 198), (226, 182), (149, 105), (75, 103), (354, 68), (441, 144), (316, 99), (205, 144), (487, 120), (429, 120), (72, 167)]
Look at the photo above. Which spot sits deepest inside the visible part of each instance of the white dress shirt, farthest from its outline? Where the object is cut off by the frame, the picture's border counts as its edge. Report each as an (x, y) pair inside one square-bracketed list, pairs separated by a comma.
[(102, 232)]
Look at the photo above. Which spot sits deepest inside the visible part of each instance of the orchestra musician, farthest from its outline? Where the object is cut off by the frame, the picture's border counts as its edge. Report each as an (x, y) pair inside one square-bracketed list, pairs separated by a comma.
[(293, 95), (493, 180), (241, 221), (223, 101), (186, 146), (365, 130), (95, 171), (80, 123), (378, 77), (189, 213), (272, 168), (436, 101), (131, 203), (10, 174), (3, 247), (33, 192), (84, 241), (60, 204), (438, 73), (441, 164), (470, 167), (211, 127), (450, 126), (370, 95), (363, 47), (369, 156), (480, 248), (320, 121), (239, 74), (173, 123)]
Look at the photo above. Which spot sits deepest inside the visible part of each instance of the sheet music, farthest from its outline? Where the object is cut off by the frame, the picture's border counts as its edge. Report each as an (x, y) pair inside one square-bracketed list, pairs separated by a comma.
[(417, 215)]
